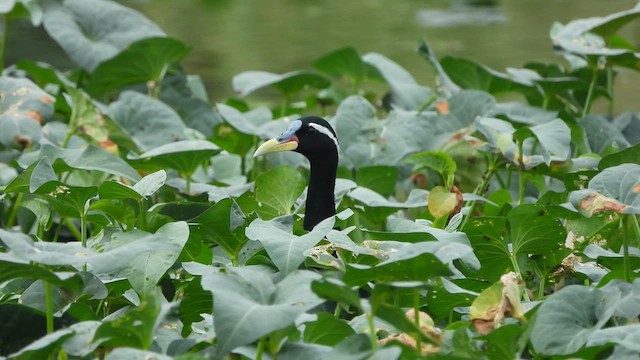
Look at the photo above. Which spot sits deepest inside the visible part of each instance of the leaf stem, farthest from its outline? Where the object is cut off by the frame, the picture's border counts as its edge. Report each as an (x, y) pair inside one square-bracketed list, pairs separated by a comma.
[(74, 230), (372, 331), (481, 188), (587, 103), (13, 215), (521, 172), (516, 268), (48, 294), (260, 348), (416, 317), (4, 24)]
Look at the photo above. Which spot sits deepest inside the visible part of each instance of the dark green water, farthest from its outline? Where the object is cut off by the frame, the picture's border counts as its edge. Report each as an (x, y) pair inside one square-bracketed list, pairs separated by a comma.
[(230, 36), (283, 35)]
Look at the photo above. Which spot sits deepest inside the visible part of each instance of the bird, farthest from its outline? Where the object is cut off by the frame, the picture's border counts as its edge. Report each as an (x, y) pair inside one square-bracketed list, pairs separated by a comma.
[(314, 138)]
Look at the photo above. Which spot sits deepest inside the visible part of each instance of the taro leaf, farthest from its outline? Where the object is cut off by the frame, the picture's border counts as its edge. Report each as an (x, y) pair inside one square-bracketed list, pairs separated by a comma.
[(355, 347), (370, 198), (624, 336), (134, 327), (525, 114), (279, 188), (408, 267), (33, 177), (248, 305), (86, 29), (503, 342), (381, 179), (446, 87), (440, 162), (286, 250), (89, 158), (147, 186), (588, 37), (184, 156), (79, 285), (87, 119), (22, 9), (186, 94), (238, 120), (346, 62), (406, 92), (23, 108), (534, 230), (81, 343), (565, 321), (601, 134), (628, 155), (555, 138), (148, 121), (629, 124), (249, 81), (616, 189), (68, 200), (336, 290), (12, 267), (222, 224), (470, 75), (499, 134), (137, 354), (141, 257), (43, 347), (326, 330), (143, 61)]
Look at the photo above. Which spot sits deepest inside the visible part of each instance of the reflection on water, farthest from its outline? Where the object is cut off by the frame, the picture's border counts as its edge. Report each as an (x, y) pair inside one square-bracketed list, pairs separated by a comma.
[(461, 13), (228, 37)]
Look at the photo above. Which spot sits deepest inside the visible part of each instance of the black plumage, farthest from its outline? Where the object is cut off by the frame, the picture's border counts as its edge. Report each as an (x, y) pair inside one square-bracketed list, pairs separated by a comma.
[(313, 137)]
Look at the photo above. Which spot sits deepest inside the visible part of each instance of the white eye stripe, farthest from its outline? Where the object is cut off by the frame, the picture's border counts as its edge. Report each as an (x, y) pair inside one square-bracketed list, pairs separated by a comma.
[(327, 132)]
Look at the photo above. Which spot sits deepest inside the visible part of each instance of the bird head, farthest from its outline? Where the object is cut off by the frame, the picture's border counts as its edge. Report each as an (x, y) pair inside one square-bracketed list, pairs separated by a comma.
[(311, 136)]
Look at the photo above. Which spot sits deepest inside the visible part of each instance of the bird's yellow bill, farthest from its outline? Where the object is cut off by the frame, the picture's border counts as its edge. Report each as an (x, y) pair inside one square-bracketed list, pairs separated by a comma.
[(274, 146)]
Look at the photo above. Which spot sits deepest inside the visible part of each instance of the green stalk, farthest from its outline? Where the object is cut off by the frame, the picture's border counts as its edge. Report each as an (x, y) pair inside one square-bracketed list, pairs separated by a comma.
[(481, 188), (4, 24), (636, 228), (48, 295), (516, 268), (74, 230), (626, 261), (260, 348), (587, 104), (520, 172), (610, 90), (416, 317), (83, 235), (372, 331), (13, 215)]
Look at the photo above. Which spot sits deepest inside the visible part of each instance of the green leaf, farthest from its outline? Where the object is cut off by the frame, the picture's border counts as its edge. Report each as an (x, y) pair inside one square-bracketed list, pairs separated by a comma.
[(289, 83), (534, 230), (565, 321), (223, 224), (134, 327), (406, 92), (33, 177), (327, 330), (248, 305), (148, 121), (43, 347), (381, 179), (601, 134), (68, 200), (286, 250), (279, 188), (336, 290), (144, 60), (346, 62), (616, 189), (23, 108), (88, 42), (440, 162), (184, 156), (628, 155), (89, 158), (135, 354)]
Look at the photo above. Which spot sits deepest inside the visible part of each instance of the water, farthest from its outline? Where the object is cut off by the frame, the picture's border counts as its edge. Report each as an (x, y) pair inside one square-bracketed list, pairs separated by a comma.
[(228, 37)]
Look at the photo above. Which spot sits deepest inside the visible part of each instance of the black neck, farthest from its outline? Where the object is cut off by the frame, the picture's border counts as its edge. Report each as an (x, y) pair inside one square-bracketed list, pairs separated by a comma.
[(322, 183)]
